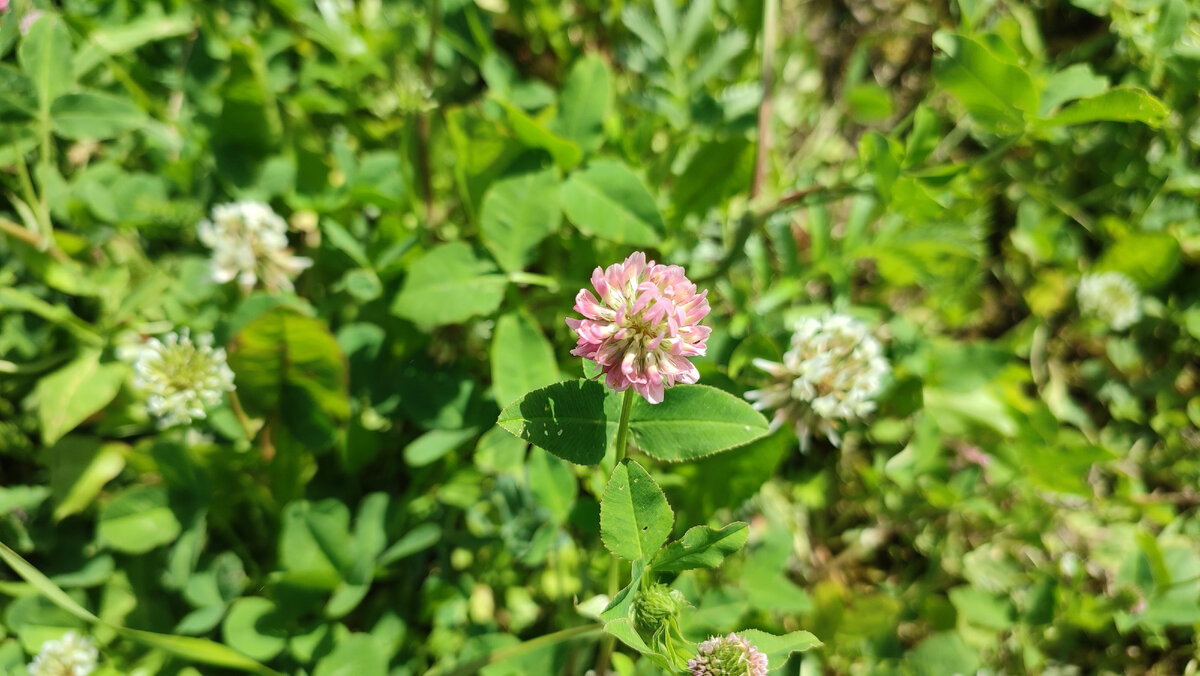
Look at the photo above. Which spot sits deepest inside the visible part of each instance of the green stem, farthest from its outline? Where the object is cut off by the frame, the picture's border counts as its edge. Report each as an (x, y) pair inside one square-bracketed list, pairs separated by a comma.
[(533, 279), (235, 405), (623, 426), (31, 238), (17, 232), (763, 152), (36, 204), (39, 202), (610, 641), (32, 367), (614, 573), (15, 299)]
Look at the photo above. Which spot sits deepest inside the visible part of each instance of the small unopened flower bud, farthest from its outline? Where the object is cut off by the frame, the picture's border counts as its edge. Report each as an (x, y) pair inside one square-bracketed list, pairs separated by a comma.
[(655, 606), (656, 611), (71, 655), (1112, 297), (731, 655)]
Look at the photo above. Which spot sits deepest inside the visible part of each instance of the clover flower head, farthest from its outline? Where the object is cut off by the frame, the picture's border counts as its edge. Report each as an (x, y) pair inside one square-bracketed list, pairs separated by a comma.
[(3, 5), (182, 377), (71, 655), (831, 374), (643, 327), (249, 243), (1112, 297), (730, 655)]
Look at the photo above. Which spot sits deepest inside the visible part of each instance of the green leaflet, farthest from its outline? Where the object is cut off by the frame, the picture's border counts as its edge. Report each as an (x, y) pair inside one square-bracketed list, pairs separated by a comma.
[(635, 518), (576, 420), (701, 547)]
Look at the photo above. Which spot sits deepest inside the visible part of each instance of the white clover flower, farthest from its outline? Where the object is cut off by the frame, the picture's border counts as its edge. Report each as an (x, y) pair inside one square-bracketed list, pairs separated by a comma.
[(249, 243), (832, 374), (182, 378), (71, 655), (1111, 297)]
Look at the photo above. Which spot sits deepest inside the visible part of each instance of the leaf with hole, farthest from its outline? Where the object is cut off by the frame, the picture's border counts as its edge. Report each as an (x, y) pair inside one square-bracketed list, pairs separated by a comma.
[(635, 518)]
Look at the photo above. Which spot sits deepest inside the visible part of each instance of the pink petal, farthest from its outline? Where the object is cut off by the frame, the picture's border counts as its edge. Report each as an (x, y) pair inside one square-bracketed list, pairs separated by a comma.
[(587, 305)]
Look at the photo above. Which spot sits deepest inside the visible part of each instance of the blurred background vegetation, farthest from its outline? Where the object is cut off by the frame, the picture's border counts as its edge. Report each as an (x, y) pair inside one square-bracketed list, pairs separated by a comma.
[(1024, 500)]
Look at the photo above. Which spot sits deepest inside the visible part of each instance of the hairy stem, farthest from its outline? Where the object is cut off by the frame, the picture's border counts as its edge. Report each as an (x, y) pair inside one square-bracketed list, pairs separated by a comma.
[(614, 573), (623, 426)]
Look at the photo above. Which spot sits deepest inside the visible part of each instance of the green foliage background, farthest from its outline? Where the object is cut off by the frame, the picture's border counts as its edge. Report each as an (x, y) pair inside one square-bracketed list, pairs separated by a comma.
[(1024, 501)]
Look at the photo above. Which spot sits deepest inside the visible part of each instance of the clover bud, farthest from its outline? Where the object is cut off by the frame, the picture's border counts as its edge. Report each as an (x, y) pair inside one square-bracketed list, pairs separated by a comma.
[(656, 611), (655, 606)]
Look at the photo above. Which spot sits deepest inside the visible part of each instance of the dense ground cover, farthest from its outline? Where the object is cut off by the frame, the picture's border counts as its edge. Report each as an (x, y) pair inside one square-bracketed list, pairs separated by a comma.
[(287, 383)]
